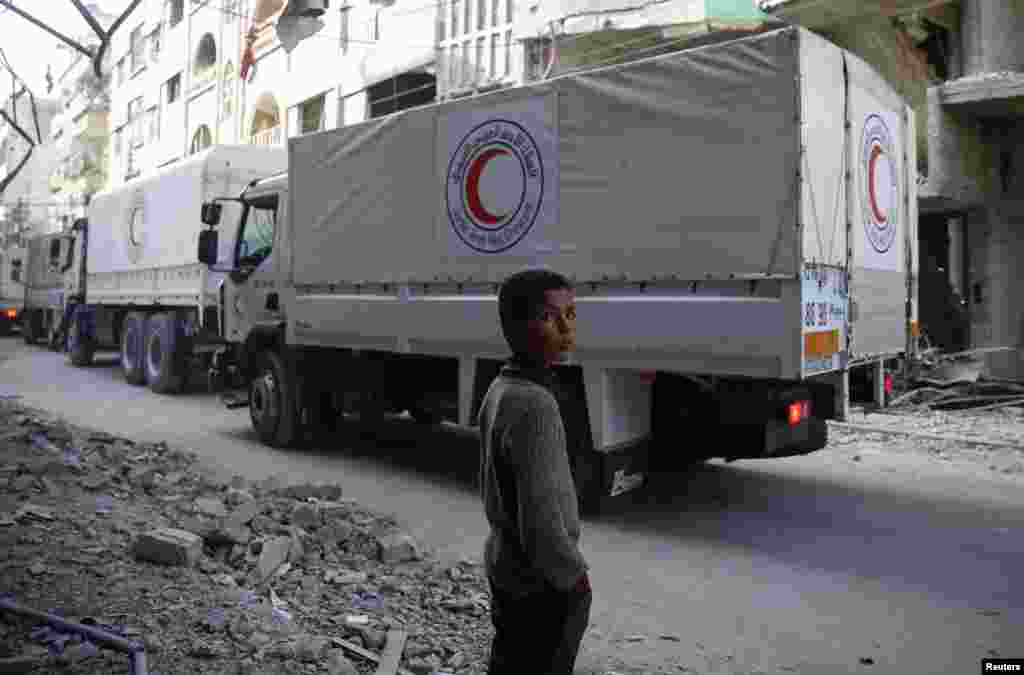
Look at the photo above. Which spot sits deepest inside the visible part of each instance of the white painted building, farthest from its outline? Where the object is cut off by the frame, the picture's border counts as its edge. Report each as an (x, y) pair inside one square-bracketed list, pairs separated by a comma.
[(80, 131), (31, 186), (176, 85)]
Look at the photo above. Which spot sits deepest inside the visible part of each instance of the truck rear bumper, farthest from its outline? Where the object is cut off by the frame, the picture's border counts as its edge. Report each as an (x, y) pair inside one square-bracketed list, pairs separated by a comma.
[(775, 439)]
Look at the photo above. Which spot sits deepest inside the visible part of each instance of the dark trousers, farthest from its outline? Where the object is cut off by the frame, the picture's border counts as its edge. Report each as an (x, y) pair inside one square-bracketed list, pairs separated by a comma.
[(537, 634)]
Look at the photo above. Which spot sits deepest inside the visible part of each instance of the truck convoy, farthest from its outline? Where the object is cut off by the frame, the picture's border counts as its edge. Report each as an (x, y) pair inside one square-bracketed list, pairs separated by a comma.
[(43, 272), (738, 220), (133, 281), (12, 287)]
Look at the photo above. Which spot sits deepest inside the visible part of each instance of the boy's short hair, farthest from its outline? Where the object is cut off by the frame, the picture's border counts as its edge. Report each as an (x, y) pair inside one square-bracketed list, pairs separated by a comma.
[(520, 297)]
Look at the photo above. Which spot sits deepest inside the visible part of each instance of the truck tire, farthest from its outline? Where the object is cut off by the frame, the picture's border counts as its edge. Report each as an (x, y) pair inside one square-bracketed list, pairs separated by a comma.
[(133, 340), (80, 348), (272, 407), (163, 359)]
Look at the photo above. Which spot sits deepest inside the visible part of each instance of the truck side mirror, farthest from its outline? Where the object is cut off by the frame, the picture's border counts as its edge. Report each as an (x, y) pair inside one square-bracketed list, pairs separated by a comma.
[(211, 214), (208, 246)]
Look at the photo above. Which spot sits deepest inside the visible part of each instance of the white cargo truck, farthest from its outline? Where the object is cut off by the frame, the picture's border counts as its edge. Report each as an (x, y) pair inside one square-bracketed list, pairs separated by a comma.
[(12, 287), (43, 270), (737, 219), (134, 284)]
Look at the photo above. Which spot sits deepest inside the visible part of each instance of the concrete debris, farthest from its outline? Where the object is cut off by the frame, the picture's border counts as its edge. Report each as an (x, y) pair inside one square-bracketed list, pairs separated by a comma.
[(33, 512), (274, 553), (168, 546), (397, 548), (211, 507), (338, 664), (306, 515)]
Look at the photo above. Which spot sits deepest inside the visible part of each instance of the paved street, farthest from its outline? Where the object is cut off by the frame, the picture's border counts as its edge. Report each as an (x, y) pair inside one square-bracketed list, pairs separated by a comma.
[(874, 555)]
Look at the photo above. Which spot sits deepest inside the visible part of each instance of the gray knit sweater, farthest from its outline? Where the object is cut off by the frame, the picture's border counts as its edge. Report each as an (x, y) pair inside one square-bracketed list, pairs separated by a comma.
[(526, 485)]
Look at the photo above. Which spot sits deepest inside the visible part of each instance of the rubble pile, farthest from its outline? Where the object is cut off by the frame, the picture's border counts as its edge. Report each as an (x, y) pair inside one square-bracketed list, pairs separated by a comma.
[(211, 576)]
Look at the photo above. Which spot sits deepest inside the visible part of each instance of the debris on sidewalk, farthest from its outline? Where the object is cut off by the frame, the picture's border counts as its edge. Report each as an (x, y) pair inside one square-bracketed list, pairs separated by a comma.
[(139, 541)]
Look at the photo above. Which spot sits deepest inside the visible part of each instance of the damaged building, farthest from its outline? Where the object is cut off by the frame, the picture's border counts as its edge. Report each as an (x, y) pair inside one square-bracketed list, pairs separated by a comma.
[(960, 64)]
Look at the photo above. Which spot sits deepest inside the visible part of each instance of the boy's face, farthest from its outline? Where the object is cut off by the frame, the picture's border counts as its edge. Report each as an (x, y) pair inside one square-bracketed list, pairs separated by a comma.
[(551, 333)]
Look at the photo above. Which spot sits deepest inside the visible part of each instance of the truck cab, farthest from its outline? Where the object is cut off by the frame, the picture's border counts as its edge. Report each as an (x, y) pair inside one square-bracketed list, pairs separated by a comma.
[(251, 305)]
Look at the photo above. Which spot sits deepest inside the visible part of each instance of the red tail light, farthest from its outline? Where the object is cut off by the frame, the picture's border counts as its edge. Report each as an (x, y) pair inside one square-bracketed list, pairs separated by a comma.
[(11, 313), (888, 383), (798, 411)]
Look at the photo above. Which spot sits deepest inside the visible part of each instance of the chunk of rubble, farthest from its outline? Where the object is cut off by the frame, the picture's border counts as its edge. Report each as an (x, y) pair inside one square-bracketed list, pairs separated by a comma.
[(168, 546), (397, 548)]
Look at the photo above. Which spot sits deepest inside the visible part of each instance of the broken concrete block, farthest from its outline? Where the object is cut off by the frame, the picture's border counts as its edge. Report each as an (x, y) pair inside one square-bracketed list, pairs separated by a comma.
[(167, 546), (246, 512), (334, 533), (273, 554), (397, 548), (306, 515), (338, 664), (211, 507), (227, 535), (310, 649), (236, 497)]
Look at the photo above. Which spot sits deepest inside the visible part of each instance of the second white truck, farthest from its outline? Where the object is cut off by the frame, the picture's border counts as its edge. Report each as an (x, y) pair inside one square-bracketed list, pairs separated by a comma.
[(738, 220), (134, 284)]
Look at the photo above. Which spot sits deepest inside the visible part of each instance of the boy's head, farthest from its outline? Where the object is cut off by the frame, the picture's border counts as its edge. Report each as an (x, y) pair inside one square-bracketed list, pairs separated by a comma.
[(538, 315)]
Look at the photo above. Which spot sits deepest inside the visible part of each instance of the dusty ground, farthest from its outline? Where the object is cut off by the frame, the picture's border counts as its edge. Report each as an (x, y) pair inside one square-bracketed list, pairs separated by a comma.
[(880, 554)]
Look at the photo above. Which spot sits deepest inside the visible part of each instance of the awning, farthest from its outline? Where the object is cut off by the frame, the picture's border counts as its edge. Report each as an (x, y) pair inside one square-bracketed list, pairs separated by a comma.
[(385, 61), (584, 16)]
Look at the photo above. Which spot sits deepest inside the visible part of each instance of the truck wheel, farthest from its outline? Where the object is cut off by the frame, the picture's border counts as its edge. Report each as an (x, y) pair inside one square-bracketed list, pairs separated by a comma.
[(133, 332), (80, 348), (164, 365), (272, 402)]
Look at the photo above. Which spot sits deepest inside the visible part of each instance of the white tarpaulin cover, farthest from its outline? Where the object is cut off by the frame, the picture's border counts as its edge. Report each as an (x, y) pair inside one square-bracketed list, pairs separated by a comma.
[(682, 165)]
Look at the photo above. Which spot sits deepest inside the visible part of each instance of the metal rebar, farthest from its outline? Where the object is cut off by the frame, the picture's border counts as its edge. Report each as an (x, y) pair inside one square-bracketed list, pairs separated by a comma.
[(135, 650)]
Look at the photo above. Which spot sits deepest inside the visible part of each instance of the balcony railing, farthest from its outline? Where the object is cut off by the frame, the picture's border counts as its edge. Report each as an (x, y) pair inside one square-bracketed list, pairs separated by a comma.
[(271, 136)]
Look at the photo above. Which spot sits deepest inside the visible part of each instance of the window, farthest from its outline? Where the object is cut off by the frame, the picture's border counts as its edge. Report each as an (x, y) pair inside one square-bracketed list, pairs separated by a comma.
[(120, 71), (453, 65), (480, 42), (509, 10), (117, 143), (137, 57), (346, 11), (508, 50), (481, 14), (495, 11), (135, 119), (467, 64), (455, 17), (311, 115), (227, 94), (153, 121), (375, 26), (466, 16), (494, 56), (201, 140), (174, 88), (440, 26), (177, 12), (257, 240), (154, 44), (205, 58)]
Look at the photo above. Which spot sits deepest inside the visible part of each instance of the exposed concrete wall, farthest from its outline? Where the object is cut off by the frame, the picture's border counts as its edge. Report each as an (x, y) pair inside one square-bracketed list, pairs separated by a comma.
[(961, 163), (995, 243), (992, 31)]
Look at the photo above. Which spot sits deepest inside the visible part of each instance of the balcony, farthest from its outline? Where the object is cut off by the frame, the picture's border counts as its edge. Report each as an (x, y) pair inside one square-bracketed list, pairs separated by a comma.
[(271, 136)]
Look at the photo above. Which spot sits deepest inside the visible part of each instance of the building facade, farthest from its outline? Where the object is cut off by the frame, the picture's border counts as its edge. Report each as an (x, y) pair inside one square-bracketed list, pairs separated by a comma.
[(24, 205), (80, 131), (961, 65), (178, 85)]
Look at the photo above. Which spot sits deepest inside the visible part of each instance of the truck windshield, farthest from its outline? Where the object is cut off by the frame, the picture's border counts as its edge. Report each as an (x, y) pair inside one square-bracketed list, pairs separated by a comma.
[(256, 240)]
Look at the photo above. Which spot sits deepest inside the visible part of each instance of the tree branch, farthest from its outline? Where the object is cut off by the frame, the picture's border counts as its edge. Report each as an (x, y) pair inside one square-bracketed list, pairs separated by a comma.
[(17, 128), (14, 174), (90, 19), (97, 60), (28, 17)]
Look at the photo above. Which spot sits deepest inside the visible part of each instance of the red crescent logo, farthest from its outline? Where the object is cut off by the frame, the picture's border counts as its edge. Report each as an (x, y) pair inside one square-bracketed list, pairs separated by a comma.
[(476, 207), (876, 152)]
